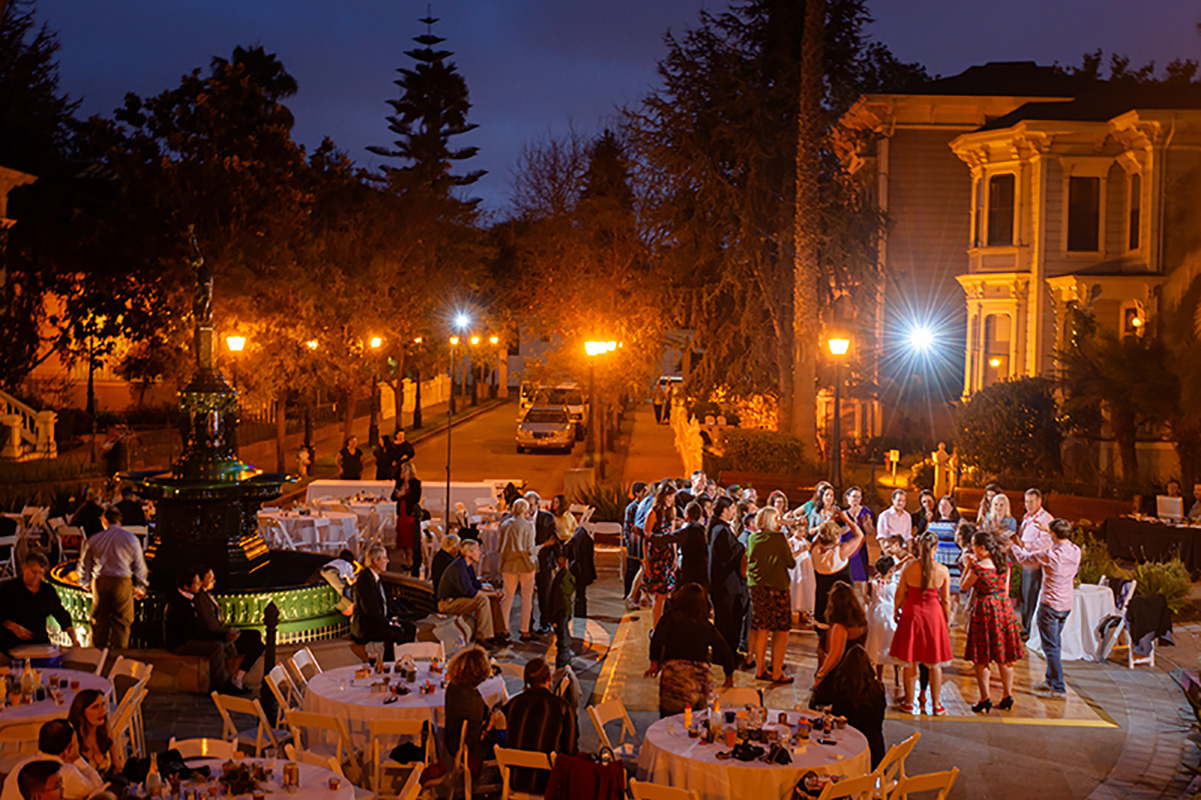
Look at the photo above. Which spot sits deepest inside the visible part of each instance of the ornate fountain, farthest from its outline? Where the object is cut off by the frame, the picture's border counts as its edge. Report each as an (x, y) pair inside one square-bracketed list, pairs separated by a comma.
[(206, 513)]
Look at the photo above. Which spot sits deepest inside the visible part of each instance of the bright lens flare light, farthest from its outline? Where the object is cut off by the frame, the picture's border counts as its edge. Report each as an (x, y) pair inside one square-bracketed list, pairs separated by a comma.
[(376, 341), (597, 348), (462, 321), (839, 347), (921, 338), (235, 343), (311, 344)]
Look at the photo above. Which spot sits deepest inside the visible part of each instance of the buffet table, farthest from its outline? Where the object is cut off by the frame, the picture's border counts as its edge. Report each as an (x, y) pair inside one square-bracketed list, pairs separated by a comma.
[(1137, 540)]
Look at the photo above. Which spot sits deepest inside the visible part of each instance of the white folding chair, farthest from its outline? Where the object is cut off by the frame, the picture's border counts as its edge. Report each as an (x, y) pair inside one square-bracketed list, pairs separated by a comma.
[(203, 748), (91, 657), (70, 541), (286, 694), (1122, 638), (940, 782), (137, 673), (609, 711), (297, 663), (421, 650), (412, 787), (8, 554), (463, 764), (891, 768), (653, 791), (295, 753), (507, 758), (275, 534), (303, 725), (125, 727), (262, 736), (859, 788), (382, 737), (739, 696), (17, 741)]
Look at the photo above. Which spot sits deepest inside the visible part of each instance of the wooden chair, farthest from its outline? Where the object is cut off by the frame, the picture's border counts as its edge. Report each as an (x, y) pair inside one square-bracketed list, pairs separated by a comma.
[(203, 748), (739, 696), (940, 782), (892, 767), (609, 711), (421, 650), (506, 759), (382, 735), (301, 723), (286, 694), (261, 737), (860, 788), (297, 662), (90, 657), (653, 791)]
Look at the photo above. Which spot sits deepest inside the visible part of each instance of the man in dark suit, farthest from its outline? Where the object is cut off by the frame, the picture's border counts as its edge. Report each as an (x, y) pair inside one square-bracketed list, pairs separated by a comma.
[(371, 621), (132, 512), (544, 537), (184, 634)]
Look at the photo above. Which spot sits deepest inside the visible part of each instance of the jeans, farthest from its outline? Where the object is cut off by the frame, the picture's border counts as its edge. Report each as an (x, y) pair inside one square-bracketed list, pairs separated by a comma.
[(1050, 629), (1032, 582)]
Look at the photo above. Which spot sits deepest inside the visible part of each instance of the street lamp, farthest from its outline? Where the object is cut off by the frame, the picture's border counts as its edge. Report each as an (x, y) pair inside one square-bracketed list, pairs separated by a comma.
[(461, 322), (594, 349), (235, 345), (838, 349), (373, 429)]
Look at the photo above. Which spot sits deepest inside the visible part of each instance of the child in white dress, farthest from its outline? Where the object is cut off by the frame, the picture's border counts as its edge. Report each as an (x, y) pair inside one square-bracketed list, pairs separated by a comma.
[(803, 590), (881, 617)]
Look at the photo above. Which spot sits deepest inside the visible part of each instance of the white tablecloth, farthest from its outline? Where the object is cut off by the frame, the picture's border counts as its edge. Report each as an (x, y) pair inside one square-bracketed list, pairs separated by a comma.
[(357, 704), (314, 780), (47, 710), (433, 492), (310, 531), (1090, 605), (670, 758)]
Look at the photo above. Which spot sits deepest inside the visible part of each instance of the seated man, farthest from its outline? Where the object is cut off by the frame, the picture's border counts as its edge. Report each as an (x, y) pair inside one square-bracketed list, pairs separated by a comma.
[(442, 559), (132, 512), (372, 621), (242, 647), (40, 780), (26, 602), (461, 592), (340, 574), (90, 515), (538, 720), (56, 743), (185, 635)]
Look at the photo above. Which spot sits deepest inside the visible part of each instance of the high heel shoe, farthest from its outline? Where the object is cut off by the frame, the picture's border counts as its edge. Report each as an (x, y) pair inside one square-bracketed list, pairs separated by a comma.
[(1006, 703), (984, 705)]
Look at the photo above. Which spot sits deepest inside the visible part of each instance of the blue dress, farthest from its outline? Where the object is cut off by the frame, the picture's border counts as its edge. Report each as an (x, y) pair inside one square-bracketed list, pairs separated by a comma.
[(948, 552)]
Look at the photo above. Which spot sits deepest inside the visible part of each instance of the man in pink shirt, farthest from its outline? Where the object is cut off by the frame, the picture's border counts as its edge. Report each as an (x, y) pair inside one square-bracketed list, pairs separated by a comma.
[(1033, 536), (895, 520), (1058, 564)]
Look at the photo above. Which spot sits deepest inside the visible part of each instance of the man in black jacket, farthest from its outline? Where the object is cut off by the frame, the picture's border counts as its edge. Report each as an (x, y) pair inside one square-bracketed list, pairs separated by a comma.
[(132, 512), (544, 537), (371, 620), (185, 635), (26, 602), (242, 647)]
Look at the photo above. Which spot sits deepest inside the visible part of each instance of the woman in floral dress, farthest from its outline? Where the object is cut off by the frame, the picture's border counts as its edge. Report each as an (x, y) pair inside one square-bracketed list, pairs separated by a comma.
[(659, 566), (993, 633)]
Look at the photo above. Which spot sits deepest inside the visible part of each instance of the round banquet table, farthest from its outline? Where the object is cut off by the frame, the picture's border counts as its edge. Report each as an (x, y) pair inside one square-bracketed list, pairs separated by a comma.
[(356, 703), (669, 757), (314, 780), (47, 710), (320, 530), (1079, 642)]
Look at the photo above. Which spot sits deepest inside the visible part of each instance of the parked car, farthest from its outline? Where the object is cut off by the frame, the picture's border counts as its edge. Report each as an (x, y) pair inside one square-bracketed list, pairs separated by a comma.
[(546, 428)]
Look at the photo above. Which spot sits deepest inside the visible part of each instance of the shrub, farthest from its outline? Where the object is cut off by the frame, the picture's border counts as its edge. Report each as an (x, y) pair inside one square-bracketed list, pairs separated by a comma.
[(1168, 578), (921, 474), (609, 501), (1095, 561), (747, 450), (1011, 427)]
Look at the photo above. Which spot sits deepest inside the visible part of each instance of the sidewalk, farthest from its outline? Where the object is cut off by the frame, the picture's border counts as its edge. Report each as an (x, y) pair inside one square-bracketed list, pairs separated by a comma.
[(652, 453)]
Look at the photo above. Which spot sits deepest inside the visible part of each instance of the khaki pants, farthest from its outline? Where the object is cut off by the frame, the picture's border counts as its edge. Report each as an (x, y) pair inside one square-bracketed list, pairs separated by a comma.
[(112, 612), (513, 580), (486, 610)]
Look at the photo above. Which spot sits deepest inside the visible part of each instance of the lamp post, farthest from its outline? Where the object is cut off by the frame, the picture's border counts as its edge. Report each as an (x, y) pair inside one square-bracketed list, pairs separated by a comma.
[(594, 349), (461, 322), (475, 392), (373, 428), (838, 349)]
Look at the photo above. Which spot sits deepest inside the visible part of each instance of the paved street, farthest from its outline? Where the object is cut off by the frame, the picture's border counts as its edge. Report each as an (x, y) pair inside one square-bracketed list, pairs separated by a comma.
[(484, 447)]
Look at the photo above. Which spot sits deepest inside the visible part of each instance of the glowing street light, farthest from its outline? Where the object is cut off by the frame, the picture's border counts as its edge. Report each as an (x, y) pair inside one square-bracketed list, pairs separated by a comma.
[(475, 340), (235, 343), (594, 349), (495, 340), (839, 347), (462, 321), (376, 342), (994, 362), (311, 344)]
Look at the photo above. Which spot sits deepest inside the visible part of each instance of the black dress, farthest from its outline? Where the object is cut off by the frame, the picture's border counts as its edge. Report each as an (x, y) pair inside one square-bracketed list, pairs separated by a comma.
[(694, 555), (727, 586)]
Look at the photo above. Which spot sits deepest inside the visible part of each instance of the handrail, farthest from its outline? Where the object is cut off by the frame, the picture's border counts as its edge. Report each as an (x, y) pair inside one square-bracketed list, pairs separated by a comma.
[(28, 415)]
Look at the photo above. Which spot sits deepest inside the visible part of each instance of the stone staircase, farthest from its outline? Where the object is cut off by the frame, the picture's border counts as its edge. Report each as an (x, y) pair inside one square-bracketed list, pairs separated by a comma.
[(26, 433)]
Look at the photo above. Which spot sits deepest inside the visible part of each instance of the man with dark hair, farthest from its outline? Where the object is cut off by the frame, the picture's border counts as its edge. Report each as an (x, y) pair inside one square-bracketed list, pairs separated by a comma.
[(1032, 536), (540, 721), (89, 517), (544, 536), (184, 634), (113, 567), (39, 780), (26, 602), (632, 538), (57, 744), (243, 648), (130, 507), (1058, 565)]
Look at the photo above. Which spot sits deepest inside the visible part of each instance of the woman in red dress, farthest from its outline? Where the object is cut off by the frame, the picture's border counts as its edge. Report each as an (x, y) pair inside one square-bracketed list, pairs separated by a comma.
[(407, 495), (993, 633), (922, 636)]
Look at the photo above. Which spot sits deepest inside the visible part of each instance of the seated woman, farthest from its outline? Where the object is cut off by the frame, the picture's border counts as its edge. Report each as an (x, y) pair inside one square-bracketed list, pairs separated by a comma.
[(97, 745), (854, 692), (464, 703), (684, 643), (540, 721)]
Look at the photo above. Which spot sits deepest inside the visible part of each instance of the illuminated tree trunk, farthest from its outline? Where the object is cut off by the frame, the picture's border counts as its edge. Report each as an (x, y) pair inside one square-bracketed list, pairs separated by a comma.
[(281, 430), (806, 324)]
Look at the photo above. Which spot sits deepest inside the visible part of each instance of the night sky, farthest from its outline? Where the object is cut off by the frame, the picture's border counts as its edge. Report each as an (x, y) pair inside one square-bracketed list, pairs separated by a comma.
[(537, 66)]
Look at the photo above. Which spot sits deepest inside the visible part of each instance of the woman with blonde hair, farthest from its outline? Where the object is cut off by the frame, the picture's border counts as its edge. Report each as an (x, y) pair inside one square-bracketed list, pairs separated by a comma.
[(922, 635), (1000, 520), (518, 563), (832, 556), (769, 558)]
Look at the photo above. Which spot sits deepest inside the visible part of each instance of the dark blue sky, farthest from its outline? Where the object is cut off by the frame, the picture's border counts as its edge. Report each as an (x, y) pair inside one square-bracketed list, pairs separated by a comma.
[(535, 66)]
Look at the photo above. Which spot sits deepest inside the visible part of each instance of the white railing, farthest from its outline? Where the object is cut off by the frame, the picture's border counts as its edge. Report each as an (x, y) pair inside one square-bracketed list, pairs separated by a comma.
[(26, 425)]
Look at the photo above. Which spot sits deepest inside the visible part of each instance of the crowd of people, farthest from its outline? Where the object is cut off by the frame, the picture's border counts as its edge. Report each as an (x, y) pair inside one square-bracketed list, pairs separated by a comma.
[(725, 578)]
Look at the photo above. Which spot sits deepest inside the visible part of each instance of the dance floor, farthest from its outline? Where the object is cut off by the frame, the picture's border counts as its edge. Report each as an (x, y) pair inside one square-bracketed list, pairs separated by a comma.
[(622, 677)]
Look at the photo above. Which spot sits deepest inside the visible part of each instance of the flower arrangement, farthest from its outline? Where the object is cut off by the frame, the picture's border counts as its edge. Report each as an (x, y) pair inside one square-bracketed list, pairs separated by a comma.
[(241, 778)]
